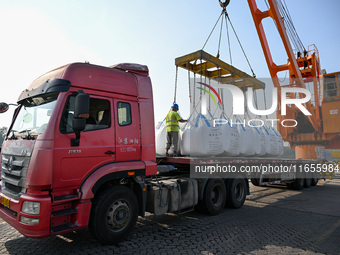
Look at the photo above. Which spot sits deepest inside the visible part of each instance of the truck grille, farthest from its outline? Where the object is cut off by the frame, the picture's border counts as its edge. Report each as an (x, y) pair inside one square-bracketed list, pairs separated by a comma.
[(14, 165)]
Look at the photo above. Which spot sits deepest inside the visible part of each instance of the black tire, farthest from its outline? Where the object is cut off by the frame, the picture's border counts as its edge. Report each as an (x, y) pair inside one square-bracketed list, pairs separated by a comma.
[(299, 183), (290, 185), (114, 214), (254, 178), (308, 182), (237, 191), (255, 181), (315, 181), (214, 197)]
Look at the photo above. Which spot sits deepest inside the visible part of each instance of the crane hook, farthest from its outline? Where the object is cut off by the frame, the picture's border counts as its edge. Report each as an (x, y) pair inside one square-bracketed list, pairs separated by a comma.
[(225, 4)]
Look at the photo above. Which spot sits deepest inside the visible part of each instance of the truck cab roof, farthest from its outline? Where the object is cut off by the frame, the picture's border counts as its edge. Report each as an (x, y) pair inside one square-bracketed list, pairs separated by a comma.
[(109, 79)]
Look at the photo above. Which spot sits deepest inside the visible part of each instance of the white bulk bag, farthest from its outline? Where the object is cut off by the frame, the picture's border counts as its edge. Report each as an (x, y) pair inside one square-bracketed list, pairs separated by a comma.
[(160, 139), (247, 140), (271, 141), (279, 140), (260, 141), (205, 140), (185, 140), (230, 139)]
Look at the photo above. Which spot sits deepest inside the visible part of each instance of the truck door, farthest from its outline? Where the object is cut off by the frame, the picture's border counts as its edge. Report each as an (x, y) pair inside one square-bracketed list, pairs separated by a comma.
[(97, 142), (127, 130)]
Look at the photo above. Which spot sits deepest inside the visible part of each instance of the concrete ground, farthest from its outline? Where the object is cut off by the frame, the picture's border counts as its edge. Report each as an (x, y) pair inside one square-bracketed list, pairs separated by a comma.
[(274, 220)]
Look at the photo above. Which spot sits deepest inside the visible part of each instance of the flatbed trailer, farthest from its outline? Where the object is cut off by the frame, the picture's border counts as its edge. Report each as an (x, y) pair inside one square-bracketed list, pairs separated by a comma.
[(262, 171)]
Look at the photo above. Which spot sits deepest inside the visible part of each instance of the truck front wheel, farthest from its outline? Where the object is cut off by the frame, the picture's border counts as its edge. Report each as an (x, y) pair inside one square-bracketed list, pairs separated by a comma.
[(113, 214)]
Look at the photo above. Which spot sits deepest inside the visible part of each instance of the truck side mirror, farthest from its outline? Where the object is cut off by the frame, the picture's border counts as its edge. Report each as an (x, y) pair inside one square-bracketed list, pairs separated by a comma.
[(81, 113), (3, 107)]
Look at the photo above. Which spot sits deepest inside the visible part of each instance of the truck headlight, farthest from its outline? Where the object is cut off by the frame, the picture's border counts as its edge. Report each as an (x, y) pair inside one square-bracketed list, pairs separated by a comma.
[(31, 207), (29, 221)]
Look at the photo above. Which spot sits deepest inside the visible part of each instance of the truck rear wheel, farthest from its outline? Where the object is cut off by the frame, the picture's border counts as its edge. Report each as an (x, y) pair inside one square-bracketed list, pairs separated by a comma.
[(236, 194), (214, 197), (255, 179), (113, 214)]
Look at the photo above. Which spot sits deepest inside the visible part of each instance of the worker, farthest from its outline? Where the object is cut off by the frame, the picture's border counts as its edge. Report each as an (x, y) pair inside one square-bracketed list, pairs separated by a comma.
[(172, 129)]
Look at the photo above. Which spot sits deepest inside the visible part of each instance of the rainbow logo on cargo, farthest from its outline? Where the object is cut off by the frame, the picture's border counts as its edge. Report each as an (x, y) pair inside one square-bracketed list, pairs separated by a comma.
[(213, 90)]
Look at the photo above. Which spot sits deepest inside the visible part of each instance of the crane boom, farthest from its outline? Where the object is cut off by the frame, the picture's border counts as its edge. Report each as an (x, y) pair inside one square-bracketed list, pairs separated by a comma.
[(302, 70), (292, 65)]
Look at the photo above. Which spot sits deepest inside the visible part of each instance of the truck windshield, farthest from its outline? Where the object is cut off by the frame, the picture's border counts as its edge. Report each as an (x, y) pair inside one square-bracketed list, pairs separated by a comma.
[(34, 116)]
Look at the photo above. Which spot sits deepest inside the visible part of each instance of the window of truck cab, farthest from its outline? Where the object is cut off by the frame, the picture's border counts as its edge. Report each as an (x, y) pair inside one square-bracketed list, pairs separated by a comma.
[(34, 114), (124, 114), (99, 115)]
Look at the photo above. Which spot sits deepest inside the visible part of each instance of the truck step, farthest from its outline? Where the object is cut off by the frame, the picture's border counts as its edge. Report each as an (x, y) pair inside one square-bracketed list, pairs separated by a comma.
[(186, 210), (64, 212), (65, 198), (64, 227)]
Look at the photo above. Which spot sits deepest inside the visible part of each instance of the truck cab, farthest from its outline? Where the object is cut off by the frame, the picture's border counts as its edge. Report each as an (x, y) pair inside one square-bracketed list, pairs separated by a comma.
[(49, 174)]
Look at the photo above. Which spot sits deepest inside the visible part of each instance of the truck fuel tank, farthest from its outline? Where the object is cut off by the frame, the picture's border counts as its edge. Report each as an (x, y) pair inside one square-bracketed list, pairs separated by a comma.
[(171, 195)]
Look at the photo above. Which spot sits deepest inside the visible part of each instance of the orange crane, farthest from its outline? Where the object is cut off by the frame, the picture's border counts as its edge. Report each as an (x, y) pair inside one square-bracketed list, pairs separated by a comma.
[(322, 128)]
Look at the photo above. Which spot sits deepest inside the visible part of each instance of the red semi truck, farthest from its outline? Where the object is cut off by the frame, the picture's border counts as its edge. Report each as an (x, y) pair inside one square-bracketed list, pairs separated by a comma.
[(81, 152)]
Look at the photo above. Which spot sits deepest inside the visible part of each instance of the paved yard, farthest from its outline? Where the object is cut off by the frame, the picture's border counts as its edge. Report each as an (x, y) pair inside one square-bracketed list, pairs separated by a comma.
[(274, 220)]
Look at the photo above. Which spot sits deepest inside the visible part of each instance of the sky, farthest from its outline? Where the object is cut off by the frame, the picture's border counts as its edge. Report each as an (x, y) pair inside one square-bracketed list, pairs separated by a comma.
[(40, 35)]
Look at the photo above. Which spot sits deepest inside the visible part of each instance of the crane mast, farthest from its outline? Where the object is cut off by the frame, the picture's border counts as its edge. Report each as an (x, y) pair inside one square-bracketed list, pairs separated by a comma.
[(310, 131)]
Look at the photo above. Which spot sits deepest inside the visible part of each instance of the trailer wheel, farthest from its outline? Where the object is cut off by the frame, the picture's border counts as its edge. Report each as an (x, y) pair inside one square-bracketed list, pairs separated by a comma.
[(299, 183), (113, 215), (315, 181), (290, 185), (236, 194), (308, 182), (214, 197)]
